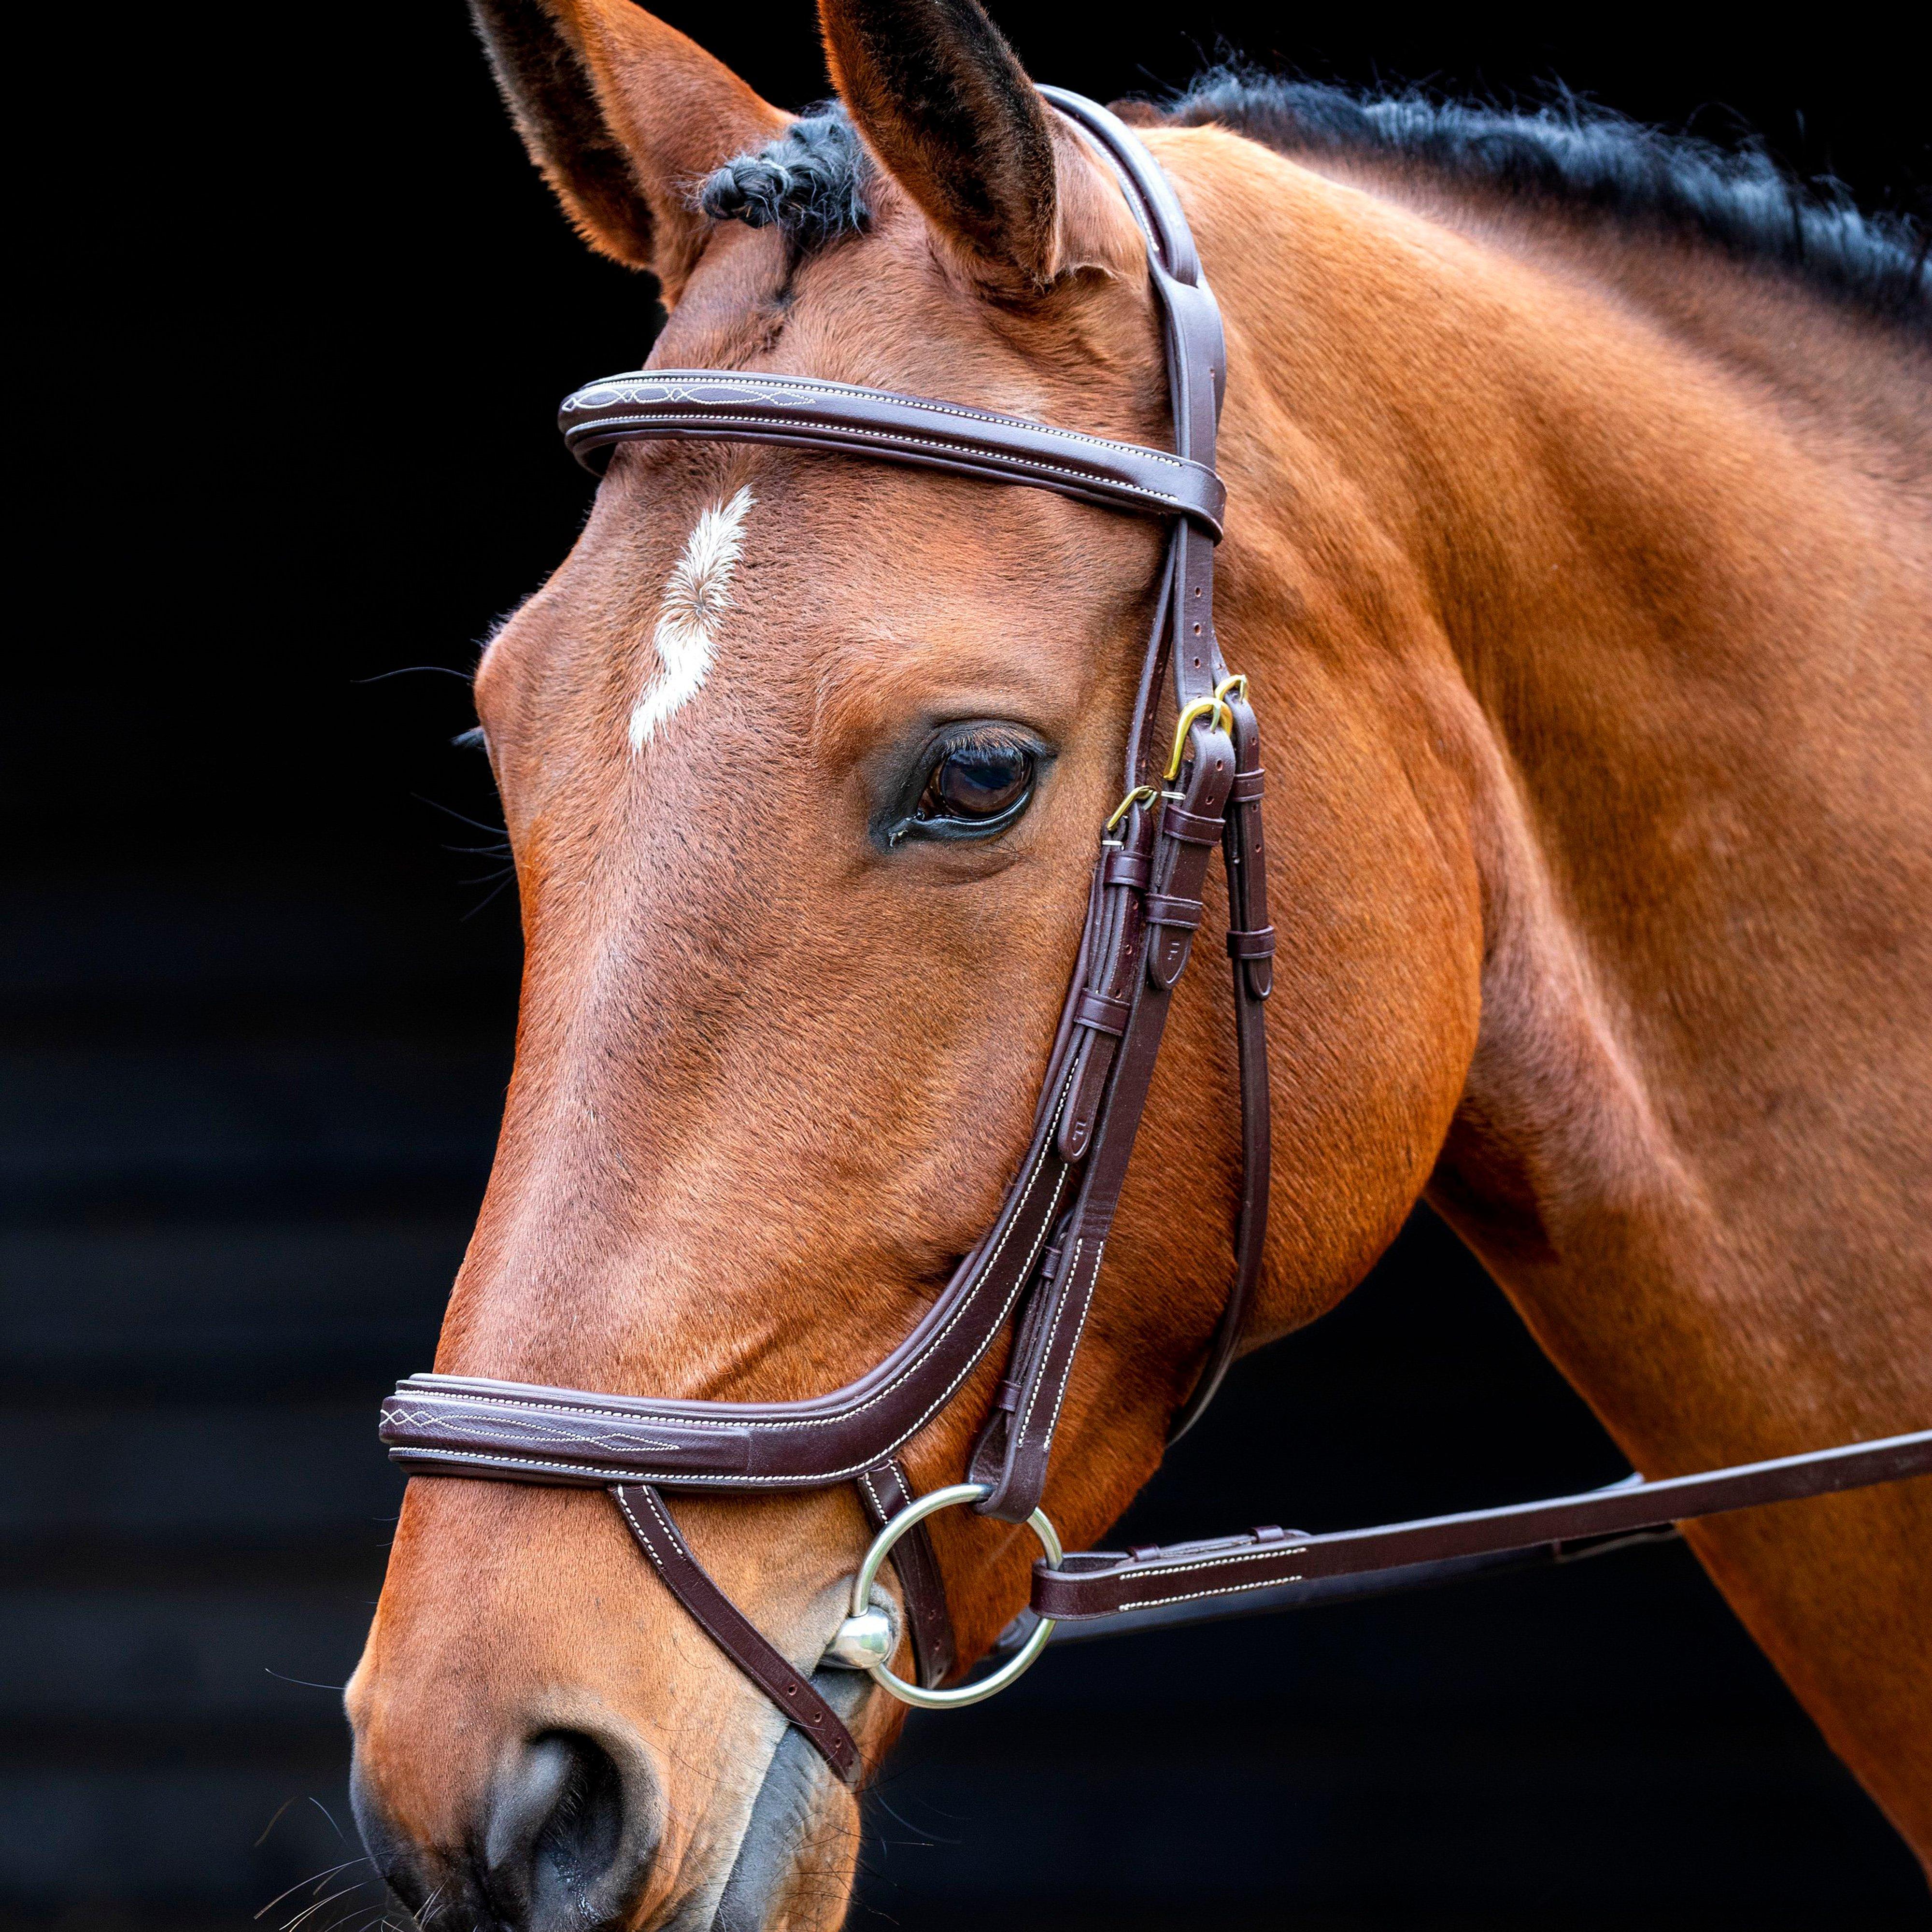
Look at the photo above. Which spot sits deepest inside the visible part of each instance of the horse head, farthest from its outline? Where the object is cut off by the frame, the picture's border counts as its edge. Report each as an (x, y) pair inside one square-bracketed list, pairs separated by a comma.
[(802, 758)]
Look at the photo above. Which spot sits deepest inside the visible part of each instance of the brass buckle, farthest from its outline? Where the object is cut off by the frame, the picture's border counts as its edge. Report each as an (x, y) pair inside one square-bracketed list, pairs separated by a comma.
[(1201, 707), (1234, 686), (1140, 795)]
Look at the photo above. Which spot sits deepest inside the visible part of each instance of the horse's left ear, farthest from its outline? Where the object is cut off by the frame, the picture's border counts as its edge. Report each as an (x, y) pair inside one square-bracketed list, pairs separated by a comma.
[(945, 105)]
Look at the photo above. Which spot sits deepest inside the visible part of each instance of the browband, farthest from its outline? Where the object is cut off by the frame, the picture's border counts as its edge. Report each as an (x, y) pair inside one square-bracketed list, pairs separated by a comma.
[(723, 406)]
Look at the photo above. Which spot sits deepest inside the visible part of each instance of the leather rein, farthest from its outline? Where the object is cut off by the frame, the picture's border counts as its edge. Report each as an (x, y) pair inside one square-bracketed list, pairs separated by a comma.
[(1185, 792)]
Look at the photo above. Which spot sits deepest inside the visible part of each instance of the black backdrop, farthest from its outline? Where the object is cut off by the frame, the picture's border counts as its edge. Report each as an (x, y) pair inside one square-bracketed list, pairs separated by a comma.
[(259, 997)]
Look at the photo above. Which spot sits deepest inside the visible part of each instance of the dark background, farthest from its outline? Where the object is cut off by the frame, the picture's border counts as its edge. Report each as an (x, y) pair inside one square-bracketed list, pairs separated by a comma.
[(300, 313)]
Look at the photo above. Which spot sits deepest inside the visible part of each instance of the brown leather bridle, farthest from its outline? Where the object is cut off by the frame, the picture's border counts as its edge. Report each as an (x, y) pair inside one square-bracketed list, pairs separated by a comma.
[(1186, 791)]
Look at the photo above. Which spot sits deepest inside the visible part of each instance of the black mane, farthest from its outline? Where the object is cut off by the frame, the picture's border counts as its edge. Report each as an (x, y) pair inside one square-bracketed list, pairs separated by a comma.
[(812, 181), (1568, 154)]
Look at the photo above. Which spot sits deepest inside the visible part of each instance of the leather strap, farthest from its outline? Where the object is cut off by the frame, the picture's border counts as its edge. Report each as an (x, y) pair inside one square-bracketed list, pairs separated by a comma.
[(1106, 1582), (1251, 948), (885, 1491), (726, 405), (643, 1511), (1138, 962)]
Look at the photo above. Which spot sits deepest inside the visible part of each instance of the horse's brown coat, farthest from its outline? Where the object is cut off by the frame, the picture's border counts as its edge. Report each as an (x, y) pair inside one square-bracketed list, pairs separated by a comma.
[(1585, 587)]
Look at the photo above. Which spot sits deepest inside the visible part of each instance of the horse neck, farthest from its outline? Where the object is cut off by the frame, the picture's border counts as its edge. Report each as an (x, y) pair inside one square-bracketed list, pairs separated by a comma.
[(1663, 622)]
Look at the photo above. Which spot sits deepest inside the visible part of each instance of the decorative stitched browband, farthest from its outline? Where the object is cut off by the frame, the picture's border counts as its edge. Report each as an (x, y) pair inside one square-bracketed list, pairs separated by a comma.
[(725, 406), (1191, 787)]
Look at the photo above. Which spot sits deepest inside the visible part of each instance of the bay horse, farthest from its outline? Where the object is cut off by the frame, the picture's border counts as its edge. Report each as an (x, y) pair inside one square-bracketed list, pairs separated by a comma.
[(1579, 537)]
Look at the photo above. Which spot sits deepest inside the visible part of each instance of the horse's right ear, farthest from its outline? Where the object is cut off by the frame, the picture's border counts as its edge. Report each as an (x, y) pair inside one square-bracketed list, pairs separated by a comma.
[(946, 108), (626, 117)]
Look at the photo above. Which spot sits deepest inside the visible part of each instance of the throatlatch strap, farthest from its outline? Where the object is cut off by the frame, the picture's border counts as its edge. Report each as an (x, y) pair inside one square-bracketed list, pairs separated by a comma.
[(1251, 949), (642, 1509)]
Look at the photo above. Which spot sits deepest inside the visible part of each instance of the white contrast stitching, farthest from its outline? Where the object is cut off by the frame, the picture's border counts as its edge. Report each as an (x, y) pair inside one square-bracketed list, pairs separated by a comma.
[(946, 1395), (1053, 1334), (1245, 1554), (1195, 1596), (530, 1421), (663, 1521), (485, 1457), (579, 432), (638, 1531), (554, 1408), (607, 392), (1073, 1349)]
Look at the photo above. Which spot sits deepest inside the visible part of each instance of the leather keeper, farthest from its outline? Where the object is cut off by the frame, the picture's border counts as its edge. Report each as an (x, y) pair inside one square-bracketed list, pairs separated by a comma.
[(1102, 1012), (1246, 789), (1054, 1257), (1123, 868), (1165, 909), (1258, 945), (1191, 828)]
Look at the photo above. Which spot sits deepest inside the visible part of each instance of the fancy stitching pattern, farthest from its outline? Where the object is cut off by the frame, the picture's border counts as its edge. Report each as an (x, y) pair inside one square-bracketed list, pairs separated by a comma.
[(1017, 464), (775, 391)]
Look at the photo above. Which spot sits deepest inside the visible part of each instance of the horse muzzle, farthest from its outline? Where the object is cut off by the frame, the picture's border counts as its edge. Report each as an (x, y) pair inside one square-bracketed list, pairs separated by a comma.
[(563, 1837), (566, 1835)]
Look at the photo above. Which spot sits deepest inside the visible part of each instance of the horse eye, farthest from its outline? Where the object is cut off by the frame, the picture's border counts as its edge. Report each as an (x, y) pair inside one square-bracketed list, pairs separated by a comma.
[(978, 779)]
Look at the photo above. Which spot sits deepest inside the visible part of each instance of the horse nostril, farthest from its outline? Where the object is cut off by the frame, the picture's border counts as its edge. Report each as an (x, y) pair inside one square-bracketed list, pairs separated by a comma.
[(554, 1843)]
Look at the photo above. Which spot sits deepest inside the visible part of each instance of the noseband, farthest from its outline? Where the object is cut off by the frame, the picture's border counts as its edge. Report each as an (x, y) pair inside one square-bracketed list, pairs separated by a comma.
[(1186, 790)]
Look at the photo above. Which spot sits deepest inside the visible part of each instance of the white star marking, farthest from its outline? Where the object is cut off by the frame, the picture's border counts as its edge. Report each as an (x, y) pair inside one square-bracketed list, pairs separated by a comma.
[(696, 594)]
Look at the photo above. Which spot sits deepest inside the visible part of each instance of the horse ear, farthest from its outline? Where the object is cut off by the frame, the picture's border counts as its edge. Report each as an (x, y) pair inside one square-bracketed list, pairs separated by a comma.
[(945, 105), (625, 116)]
